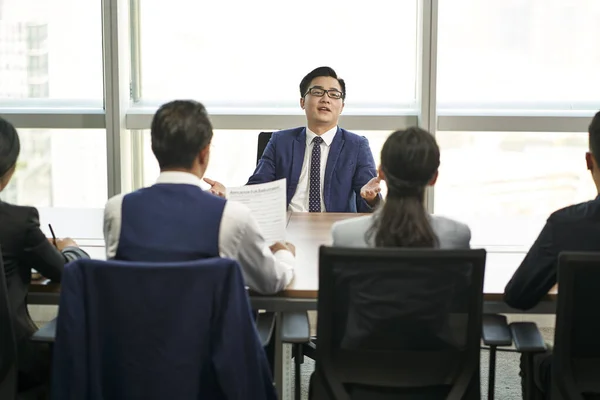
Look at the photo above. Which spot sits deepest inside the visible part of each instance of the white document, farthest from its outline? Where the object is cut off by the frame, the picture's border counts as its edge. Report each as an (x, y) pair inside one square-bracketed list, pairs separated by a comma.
[(266, 202)]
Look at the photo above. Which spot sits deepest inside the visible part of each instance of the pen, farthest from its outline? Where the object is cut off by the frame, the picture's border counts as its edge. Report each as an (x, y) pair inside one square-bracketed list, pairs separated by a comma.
[(53, 236)]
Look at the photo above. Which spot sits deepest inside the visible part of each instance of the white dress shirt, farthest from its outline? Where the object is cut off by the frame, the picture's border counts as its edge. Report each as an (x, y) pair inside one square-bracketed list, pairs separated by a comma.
[(240, 238), (300, 199)]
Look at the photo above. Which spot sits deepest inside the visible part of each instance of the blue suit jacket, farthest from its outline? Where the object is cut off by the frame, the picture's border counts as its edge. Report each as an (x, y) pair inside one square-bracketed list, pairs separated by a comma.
[(350, 166), (129, 330)]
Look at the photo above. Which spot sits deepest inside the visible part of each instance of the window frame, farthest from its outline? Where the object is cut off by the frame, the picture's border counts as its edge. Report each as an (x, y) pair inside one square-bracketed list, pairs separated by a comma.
[(123, 115)]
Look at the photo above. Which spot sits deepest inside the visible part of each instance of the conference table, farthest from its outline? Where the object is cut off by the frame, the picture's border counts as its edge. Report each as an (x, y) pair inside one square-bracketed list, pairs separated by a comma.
[(307, 231)]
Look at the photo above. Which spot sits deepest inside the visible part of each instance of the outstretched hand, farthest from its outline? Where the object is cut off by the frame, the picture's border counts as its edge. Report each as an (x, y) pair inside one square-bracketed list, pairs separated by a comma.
[(216, 187), (370, 191)]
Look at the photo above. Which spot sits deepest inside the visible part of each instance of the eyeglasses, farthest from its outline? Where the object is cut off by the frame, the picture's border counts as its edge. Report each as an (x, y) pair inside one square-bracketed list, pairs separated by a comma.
[(320, 92)]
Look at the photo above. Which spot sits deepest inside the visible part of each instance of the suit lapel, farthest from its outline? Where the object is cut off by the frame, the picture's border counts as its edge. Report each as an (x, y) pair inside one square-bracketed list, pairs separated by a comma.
[(334, 154), (298, 150)]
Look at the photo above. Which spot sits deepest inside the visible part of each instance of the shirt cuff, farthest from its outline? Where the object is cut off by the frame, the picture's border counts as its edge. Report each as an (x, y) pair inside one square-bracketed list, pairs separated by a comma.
[(286, 259), (72, 253), (285, 256), (372, 207)]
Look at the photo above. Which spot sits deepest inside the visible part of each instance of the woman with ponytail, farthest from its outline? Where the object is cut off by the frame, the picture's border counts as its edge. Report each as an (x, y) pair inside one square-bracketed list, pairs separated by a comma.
[(409, 163), (23, 246), (420, 309)]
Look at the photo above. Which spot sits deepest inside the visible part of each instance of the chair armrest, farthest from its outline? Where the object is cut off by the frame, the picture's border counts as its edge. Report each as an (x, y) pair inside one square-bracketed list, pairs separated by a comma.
[(265, 322), (46, 333), (495, 330), (527, 337), (295, 327)]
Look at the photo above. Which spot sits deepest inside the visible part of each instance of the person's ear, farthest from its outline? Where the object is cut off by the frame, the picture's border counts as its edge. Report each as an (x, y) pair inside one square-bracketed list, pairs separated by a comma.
[(589, 161), (302, 103), (204, 155), (380, 174), (433, 180), (5, 179), (3, 182)]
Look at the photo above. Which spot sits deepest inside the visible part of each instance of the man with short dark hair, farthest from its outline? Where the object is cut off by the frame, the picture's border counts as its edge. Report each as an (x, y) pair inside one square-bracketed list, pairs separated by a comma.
[(573, 228), (327, 168), (175, 220)]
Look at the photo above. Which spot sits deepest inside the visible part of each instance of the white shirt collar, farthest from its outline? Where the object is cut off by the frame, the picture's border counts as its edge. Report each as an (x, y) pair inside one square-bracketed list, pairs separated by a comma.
[(327, 136), (179, 177)]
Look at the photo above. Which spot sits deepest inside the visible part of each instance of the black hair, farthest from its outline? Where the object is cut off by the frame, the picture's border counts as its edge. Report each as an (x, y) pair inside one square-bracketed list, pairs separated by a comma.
[(180, 129), (10, 147), (315, 73), (409, 161)]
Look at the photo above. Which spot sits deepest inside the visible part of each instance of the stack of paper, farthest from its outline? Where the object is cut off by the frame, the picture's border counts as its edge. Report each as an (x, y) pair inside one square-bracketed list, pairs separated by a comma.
[(267, 203)]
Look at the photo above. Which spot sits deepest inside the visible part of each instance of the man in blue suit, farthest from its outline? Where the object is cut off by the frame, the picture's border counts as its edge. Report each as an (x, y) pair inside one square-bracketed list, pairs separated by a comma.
[(326, 167)]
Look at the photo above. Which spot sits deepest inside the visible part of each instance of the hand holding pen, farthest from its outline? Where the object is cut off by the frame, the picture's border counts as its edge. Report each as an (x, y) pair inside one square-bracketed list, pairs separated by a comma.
[(61, 244)]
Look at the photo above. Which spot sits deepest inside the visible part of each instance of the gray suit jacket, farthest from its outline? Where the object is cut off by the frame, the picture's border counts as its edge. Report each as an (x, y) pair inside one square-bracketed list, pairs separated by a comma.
[(351, 232)]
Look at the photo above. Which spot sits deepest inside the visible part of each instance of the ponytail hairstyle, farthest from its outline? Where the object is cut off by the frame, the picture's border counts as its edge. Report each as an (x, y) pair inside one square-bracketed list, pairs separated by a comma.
[(409, 161), (10, 148)]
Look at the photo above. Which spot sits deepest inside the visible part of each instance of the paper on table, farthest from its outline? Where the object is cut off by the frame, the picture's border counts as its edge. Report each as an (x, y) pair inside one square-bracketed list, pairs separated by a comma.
[(266, 202)]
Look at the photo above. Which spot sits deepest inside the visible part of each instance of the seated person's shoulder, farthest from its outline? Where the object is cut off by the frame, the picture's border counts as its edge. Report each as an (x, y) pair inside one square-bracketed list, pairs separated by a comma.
[(287, 134), (352, 137), (351, 232), (13, 208), (16, 213), (448, 229), (581, 211), (236, 213), (114, 202), (21, 223)]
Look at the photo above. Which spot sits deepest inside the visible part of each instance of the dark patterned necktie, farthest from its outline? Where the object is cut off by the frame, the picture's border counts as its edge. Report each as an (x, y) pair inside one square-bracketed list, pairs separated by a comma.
[(314, 196)]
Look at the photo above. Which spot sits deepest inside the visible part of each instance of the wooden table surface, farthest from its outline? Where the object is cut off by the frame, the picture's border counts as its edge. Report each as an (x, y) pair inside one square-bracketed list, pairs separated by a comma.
[(308, 231)]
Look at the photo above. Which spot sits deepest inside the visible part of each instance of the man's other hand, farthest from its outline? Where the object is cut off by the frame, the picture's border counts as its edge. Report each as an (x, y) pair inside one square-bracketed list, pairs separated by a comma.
[(216, 187)]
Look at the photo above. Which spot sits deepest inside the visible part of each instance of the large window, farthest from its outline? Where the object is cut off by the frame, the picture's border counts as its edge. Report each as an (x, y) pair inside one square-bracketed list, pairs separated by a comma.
[(252, 55), (515, 82), (60, 168), (51, 49), (519, 54), (505, 184), (232, 157)]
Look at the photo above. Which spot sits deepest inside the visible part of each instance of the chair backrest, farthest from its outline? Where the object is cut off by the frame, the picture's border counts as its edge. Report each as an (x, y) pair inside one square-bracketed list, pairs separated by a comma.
[(8, 346), (400, 320), (153, 331), (263, 139), (576, 359)]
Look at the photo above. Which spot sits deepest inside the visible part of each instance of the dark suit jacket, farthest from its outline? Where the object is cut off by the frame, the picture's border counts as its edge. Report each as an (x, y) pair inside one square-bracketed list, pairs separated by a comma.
[(24, 246), (118, 338), (350, 166), (573, 228)]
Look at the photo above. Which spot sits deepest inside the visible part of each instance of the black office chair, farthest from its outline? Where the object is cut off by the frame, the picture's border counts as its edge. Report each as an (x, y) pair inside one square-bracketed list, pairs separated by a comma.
[(576, 355), (108, 317), (398, 322), (263, 139), (8, 351), (495, 333)]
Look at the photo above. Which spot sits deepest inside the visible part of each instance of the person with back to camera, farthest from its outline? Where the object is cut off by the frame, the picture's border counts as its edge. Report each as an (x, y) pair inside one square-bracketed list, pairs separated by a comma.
[(409, 163), (25, 247)]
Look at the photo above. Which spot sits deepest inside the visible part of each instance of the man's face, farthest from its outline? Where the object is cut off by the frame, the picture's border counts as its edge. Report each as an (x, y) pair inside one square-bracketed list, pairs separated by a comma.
[(323, 109)]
